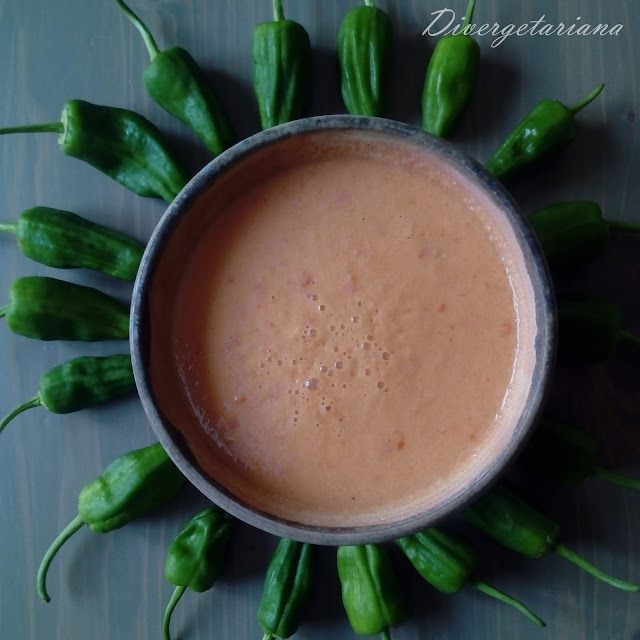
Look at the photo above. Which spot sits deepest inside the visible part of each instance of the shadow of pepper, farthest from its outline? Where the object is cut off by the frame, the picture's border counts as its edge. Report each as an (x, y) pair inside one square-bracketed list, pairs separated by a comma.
[(325, 604), (410, 57), (238, 100), (484, 126), (325, 96)]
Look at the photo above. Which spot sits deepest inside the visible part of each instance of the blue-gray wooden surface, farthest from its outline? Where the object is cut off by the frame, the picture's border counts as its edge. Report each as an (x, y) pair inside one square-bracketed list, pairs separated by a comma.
[(112, 586)]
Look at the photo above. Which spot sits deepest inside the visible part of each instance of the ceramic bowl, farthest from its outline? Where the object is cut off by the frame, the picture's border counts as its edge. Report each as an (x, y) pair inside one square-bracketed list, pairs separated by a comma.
[(170, 236)]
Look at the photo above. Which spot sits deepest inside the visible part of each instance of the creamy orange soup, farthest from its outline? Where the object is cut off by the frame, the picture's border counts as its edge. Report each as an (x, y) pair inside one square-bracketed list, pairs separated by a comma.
[(349, 337)]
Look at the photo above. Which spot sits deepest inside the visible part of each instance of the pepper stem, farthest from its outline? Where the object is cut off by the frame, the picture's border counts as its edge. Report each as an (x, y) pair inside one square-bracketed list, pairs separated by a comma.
[(3, 310), (29, 404), (369, 3), (629, 338), (75, 525), (588, 100), (619, 225), (503, 597), (44, 127), (175, 598), (152, 47), (267, 636), (385, 635), (9, 227), (572, 556), (617, 478), (278, 11), (469, 17)]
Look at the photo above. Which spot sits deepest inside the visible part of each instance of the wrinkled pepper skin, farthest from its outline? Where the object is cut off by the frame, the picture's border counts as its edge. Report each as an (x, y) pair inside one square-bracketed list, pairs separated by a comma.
[(79, 384), (442, 559), (449, 562), (569, 454), (451, 79), (590, 328), (571, 233), (121, 143), (196, 556), (124, 145), (176, 82), (513, 523), (85, 382), (371, 593), (287, 588), (51, 309), (549, 127), (364, 55), (64, 240), (281, 54), (130, 487), (518, 526)]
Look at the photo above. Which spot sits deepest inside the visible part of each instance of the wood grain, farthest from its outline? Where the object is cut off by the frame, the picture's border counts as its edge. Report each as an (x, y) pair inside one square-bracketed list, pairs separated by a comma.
[(112, 586)]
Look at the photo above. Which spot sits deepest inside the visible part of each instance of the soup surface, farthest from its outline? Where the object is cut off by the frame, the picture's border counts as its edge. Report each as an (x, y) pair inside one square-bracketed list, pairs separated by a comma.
[(345, 334)]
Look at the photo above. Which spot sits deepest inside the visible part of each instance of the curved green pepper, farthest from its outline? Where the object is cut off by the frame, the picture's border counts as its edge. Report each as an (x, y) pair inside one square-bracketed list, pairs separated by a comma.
[(449, 562), (287, 587), (371, 593), (121, 143), (79, 384), (590, 328), (196, 556), (51, 309), (573, 232), (549, 127), (451, 78), (64, 240), (281, 54), (364, 54), (176, 82), (517, 525), (130, 487), (569, 454)]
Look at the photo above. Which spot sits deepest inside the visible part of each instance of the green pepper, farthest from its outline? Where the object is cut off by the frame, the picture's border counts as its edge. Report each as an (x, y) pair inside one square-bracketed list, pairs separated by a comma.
[(121, 143), (364, 54), (371, 593), (176, 82), (50, 309), (549, 127), (573, 232), (569, 454), (517, 525), (64, 240), (451, 78), (590, 328), (287, 587), (130, 487), (79, 384), (281, 53), (449, 562), (196, 556)]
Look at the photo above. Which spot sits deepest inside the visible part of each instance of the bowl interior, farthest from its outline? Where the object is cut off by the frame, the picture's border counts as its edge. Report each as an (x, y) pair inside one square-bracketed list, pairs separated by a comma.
[(187, 220)]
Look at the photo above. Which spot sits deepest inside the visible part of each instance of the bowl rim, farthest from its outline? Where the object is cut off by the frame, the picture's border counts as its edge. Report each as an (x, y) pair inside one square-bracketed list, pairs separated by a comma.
[(545, 341)]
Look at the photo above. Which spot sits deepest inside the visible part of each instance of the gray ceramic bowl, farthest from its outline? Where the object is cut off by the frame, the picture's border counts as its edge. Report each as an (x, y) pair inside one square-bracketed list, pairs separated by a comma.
[(141, 332)]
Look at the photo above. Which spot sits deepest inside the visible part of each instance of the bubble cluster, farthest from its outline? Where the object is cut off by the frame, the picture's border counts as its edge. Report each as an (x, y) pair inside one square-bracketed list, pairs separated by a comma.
[(346, 358)]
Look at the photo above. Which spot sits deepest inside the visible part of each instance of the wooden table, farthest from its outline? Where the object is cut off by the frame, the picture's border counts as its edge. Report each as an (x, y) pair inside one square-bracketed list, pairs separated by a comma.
[(112, 586)]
